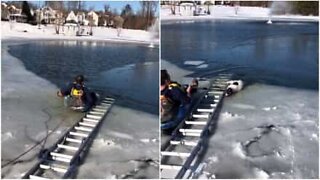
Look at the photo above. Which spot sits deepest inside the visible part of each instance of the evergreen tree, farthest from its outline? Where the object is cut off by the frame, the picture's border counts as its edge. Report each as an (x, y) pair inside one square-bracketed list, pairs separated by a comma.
[(26, 11)]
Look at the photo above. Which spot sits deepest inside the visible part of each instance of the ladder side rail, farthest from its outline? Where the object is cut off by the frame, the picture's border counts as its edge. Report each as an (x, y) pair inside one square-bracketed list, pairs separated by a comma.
[(211, 117), (196, 149), (188, 162), (46, 154), (33, 170), (77, 157)]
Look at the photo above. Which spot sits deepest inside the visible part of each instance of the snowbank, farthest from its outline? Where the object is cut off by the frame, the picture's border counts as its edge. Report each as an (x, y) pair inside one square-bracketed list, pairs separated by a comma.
[(26, 31), (228, 12)]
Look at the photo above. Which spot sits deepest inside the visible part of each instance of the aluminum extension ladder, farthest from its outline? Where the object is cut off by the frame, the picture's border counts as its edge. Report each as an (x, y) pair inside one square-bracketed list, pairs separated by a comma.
[(178, 159), (63, 158)]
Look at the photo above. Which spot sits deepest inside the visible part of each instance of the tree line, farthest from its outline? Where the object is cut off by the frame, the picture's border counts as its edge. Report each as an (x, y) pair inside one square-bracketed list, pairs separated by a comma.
[(142, 19)]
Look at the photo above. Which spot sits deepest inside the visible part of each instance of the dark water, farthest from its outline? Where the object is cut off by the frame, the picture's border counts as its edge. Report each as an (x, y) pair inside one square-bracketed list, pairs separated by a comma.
[(283, 53), (60, 61)]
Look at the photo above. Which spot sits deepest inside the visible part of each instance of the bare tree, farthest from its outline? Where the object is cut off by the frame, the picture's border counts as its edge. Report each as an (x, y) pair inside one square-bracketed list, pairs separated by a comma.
[(148, 9)]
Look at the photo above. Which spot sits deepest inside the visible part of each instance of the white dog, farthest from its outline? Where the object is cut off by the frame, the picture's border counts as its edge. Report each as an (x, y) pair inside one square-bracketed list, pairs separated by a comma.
[(234, 86)]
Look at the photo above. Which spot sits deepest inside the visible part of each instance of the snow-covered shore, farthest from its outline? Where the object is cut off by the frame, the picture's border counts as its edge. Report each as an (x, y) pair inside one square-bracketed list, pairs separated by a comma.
[(228, 12), (27, 31)]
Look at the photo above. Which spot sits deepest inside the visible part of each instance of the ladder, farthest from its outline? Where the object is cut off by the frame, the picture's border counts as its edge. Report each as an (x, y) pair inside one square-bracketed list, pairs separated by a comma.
[(178, 157), (62, 159)]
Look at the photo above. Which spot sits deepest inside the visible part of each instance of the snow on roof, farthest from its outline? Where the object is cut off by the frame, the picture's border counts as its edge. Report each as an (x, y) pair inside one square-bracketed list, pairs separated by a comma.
[(4, 4)]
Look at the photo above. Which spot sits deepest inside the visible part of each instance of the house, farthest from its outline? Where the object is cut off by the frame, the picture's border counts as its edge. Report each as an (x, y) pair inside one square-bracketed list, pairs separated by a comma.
[(46, 15), (92, 16), (72, 18), (187, 8), (4, 12), (81, 16)]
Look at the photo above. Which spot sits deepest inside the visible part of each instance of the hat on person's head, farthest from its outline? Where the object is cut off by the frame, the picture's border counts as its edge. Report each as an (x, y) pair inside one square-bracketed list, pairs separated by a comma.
[(164, 76), (79, 79)]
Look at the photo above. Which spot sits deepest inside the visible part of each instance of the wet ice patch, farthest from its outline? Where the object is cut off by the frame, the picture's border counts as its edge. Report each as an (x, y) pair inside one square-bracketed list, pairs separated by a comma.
[(193, 63), (103, 143), (7, 136), (260, 174), (227, 116), (202, 66), (120, 135), (243, 106), (238, 151), (146, 140), (270, 108)]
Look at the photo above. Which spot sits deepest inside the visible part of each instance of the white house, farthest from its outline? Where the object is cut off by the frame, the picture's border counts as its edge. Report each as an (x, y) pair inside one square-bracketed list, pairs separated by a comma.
[(94, 16), (72, 18)]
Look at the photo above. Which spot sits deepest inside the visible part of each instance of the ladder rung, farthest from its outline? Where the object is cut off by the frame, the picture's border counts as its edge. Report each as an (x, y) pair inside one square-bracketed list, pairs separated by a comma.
[(57, 169), (200, 116), (215, 92), (81, 128), (99, 109), (216, 100), (78, 134), (61, 159), (93, 116), (169, 153), (109, 99), (183, 142), (190, 130), (96, 113), (87, 124), (102, 107), (191, 134), (73, 140), (171, 167), (196, 122), (216, 96), (205, 110), (67, 147), (105, 104), (213, 105), (90, 120), (36, 177), (60, 155)]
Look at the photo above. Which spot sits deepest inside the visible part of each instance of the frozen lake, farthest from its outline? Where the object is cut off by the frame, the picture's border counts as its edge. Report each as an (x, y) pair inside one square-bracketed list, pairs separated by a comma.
[(270, 129), (31, 74)]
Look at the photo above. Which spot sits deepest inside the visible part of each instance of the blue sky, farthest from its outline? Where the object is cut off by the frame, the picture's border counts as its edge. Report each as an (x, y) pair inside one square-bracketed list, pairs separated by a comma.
[(99, 5)]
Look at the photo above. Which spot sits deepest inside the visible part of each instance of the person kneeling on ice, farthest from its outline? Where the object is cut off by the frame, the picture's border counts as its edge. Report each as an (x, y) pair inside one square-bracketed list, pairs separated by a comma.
[(234, 86), (175, 101), (77, 95)]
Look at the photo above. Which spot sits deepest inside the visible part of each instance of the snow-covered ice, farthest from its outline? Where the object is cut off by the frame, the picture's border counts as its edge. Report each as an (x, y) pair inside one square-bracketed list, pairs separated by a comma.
[(264, 131)]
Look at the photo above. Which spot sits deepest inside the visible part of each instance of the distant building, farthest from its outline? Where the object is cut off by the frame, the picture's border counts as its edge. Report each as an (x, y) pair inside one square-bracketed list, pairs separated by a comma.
[(4, 12), (92, 16), (81, 16), (47, 15), (72, 18)]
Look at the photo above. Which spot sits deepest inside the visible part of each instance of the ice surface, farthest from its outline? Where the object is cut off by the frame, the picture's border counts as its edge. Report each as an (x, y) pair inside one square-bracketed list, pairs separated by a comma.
[(30, 110), (264, 131), (194, 63)]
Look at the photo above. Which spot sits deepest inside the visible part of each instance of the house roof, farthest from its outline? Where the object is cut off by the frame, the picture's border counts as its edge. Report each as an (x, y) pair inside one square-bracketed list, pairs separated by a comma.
[(72, 17)]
